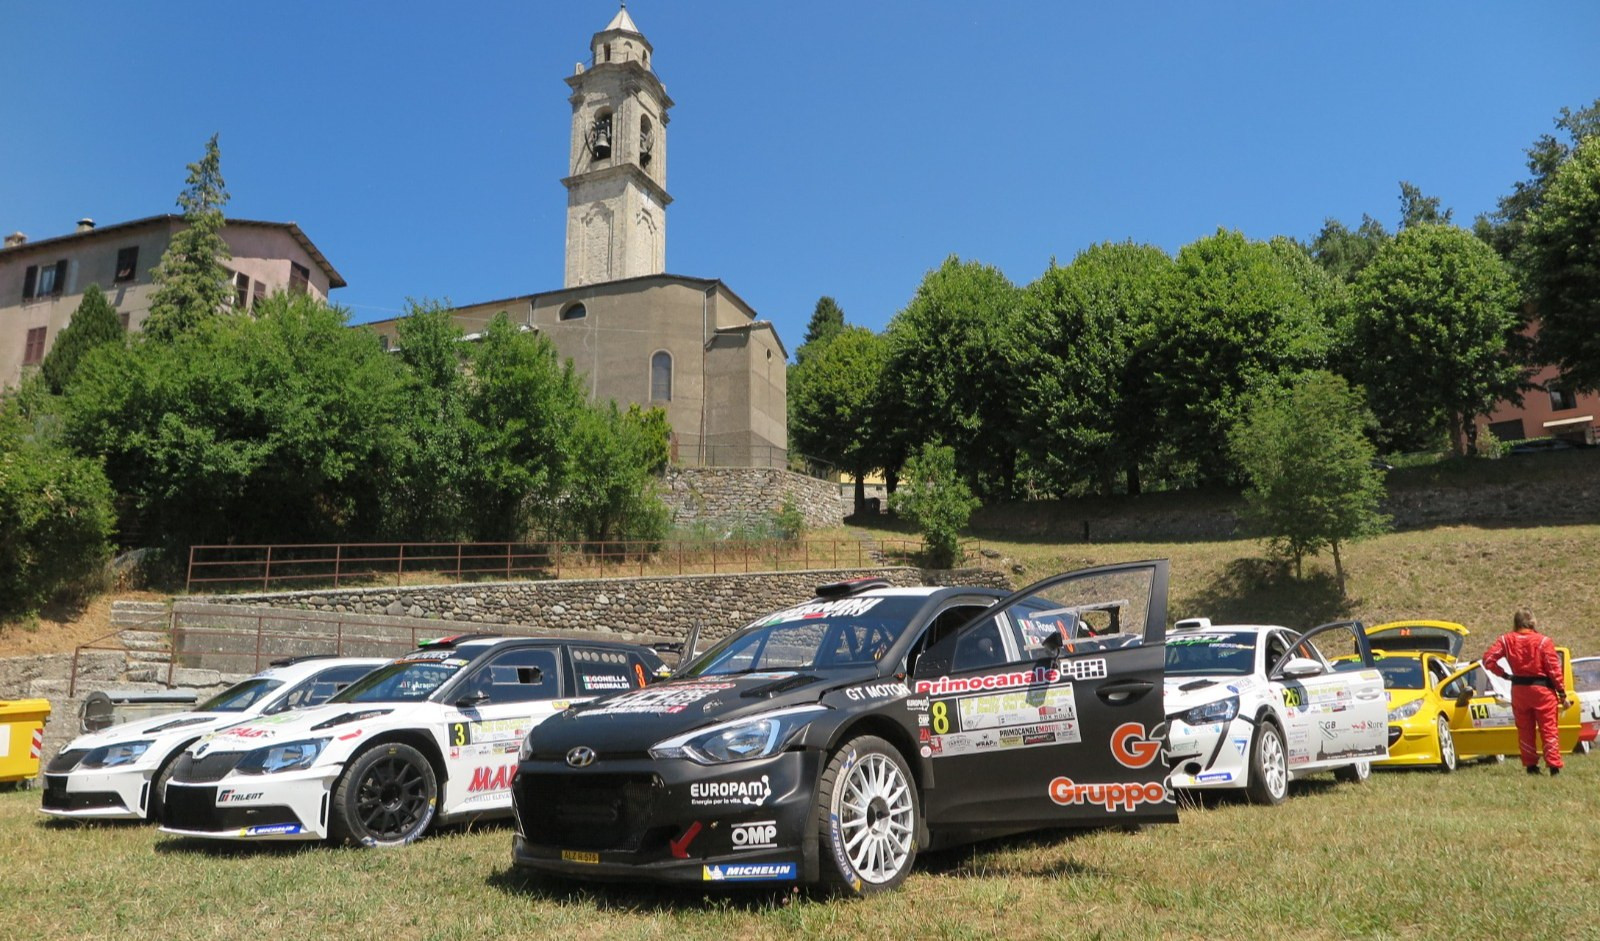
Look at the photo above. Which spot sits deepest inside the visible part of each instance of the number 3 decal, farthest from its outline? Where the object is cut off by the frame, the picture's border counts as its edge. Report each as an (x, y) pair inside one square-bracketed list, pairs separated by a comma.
[(458, 733)]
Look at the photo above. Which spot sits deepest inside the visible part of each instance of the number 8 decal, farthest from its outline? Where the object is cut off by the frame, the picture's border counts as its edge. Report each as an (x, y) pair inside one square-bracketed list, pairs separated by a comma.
[(941, 717)]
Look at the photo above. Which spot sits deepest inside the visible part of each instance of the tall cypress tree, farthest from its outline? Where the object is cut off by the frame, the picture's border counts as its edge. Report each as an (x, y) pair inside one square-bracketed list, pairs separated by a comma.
[(93, 323), (192, 283)]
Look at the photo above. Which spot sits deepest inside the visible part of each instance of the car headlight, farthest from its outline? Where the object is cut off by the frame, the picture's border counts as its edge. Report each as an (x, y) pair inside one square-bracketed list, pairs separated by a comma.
[(1219, 711), (111, 756), (1406, 711), (290, 756), (740, 740)]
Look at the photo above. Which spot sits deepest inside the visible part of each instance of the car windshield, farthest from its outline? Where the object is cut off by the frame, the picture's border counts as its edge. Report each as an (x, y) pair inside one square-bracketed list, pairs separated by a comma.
[(412, 678), (818, 635), (1209, 653), (240, 696), (1400, 672)]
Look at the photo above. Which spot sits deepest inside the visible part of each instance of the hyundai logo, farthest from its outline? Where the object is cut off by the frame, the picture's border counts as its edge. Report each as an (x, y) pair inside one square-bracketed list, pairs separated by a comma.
[(581, 757)]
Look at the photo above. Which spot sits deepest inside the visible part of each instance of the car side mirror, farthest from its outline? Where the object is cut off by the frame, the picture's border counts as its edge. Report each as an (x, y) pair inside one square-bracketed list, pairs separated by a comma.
[(1466, 696), (472, 699), (1050, 647), (1299, 667)]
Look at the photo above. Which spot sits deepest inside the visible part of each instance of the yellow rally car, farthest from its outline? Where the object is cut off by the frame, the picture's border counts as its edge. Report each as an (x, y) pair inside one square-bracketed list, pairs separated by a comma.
[(1443, 710)]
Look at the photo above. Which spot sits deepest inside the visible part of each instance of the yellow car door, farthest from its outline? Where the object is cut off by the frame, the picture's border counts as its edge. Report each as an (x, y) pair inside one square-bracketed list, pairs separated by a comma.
[(1481, 723)]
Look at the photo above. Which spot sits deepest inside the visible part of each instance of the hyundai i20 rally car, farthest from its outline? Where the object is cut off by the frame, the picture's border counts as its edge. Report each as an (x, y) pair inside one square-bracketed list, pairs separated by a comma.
[(1255, 707), (119, 772), (431, 736), (834, 740)]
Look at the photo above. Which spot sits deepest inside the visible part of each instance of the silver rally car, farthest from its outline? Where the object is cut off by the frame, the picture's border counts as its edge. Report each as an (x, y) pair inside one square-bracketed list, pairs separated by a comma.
[(1255, 707), (120, 772)]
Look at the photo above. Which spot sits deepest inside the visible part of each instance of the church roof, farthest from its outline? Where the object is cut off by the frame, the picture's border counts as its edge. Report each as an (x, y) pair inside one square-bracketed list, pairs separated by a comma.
[(622, 21)]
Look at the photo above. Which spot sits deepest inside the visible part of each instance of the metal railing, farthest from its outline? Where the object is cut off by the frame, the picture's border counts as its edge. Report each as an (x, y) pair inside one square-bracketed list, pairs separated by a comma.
[(305, 566)]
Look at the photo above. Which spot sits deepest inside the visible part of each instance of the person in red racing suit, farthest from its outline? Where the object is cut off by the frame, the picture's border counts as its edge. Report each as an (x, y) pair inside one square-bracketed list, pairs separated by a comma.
[(1537, 693)]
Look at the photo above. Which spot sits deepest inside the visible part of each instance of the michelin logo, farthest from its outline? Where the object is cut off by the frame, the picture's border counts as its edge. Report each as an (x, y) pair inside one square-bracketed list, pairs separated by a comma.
[(276, 829), (749, 872)]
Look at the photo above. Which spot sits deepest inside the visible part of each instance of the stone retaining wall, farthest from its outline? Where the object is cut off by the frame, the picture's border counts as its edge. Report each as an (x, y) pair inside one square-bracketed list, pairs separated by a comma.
[(627, 608), (749, 496)]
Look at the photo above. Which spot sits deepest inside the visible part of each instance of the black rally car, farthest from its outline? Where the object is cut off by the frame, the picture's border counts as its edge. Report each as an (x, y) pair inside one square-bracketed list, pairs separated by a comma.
[(834, 740)]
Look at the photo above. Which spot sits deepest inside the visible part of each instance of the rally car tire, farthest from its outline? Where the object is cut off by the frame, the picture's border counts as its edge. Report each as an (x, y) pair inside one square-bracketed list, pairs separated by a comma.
[(1447, 746), (1354, 774), (1269, 766), (387, 796), (868, 817)]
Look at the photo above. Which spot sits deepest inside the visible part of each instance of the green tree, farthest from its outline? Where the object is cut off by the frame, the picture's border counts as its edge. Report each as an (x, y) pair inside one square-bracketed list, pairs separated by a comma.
[(1561, 253), (93, 323), (1308, 462), (827, 322), (937, 501), (1238, 318), (1343, 253), (1071, 357), (523, 403), (273, 428), (428, 469), (833, 399), (1436, 321), (939, 383), (191, 284), (1504, 227), (614, 490), (1418, 209), (55, 507)]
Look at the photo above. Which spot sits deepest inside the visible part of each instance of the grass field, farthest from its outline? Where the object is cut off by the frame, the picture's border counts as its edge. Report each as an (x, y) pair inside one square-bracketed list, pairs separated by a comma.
[(1484, 853)]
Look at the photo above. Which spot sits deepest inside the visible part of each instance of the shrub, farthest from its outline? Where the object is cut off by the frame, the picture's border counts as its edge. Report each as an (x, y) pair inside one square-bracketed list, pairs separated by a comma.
[(936, 500)]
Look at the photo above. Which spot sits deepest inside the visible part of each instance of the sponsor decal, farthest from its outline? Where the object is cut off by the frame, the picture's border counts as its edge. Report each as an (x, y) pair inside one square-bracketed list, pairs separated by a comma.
[(927, 751), (579, 856), (1215, 776), (1113, 797), (925, 735), (922, 720), (457, 662), (680, 846), (492, 779), (917, 705), (605, 681), (845, 607), (876, 691), (231, 796), (659, 700), (751, 793), (494, 730), (1021, 736), (1329, 730), (354, 733), (1086, 669), (247, 731), (1023, 707), (1240, 744), (274, 829), (1131, 747), (1037, 676), (430, 656), (760, 834), (750, 872), (1190, 640), (1489, 715)]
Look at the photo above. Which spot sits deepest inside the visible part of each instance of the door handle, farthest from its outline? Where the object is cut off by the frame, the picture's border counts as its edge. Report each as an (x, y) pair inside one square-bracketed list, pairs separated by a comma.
[(1122, 692)]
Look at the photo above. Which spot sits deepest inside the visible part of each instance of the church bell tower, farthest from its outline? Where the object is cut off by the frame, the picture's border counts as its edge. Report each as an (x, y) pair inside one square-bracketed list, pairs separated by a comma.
[(617, 189)]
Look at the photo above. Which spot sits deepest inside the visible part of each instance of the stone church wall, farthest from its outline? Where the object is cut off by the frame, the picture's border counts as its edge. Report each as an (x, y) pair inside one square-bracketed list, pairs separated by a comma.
[(750, 496)]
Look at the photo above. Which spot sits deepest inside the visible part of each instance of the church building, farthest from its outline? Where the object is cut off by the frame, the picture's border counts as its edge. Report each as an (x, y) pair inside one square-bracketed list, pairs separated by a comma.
[(636, 333)]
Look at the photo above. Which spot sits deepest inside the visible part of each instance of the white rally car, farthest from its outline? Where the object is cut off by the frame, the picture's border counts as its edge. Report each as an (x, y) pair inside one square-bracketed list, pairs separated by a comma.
[(119, 772), (431, 736), (1255, 707)]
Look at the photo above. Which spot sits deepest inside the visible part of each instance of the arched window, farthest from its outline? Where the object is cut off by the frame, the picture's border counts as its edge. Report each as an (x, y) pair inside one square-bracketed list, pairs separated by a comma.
[(608, 52), (661, 377), (600, 135), (647, 141), (574, 312)]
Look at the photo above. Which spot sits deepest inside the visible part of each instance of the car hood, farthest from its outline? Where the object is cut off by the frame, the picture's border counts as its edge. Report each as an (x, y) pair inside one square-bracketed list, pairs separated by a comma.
[(324, 721), (630, 722), (1184, 692), (182, 725)]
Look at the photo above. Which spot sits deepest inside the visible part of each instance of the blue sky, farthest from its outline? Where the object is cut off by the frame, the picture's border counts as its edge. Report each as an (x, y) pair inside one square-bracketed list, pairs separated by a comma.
[(817, 147)]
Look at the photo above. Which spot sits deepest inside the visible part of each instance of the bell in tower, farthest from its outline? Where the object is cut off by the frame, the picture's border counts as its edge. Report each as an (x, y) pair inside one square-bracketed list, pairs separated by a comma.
[(600, 137)]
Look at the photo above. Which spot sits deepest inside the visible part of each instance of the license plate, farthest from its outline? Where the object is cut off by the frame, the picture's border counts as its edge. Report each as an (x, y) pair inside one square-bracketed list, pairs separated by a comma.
[(577, 856)]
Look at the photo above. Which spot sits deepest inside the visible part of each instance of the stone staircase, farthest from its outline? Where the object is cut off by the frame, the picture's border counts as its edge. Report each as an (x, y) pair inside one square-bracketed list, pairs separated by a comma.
[(142, 628)]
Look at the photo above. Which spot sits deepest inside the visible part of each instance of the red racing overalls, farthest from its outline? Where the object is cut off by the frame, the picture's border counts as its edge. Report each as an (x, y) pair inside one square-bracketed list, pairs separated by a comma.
[(1537, 693)]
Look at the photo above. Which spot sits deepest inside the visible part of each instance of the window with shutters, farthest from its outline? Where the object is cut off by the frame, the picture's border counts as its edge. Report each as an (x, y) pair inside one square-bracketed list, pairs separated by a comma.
[(127, 263), (299, 278), (241, 290), (257, 293), (33, 350), (661, 377), (44, 280)]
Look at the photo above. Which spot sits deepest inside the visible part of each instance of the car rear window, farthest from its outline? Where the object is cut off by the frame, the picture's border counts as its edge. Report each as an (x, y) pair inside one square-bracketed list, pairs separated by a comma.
[(602, 671)]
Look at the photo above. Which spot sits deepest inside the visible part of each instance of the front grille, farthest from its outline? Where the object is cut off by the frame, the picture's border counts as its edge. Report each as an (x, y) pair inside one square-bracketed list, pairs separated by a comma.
[(66, 761), (206, 769), (1394, 735), (191, 808), (590, 811), (57, 798)]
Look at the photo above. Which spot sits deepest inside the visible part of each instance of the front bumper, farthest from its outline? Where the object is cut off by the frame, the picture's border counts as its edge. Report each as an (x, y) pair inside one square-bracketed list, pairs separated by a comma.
[(1411, 743), (121, 794), (287, 806), (670, 820), (1215, 755)]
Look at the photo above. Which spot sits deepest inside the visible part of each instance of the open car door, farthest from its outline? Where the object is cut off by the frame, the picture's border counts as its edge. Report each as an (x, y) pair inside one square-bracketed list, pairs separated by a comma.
[(1334, 717), (1046, 710), (1481, 719)]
